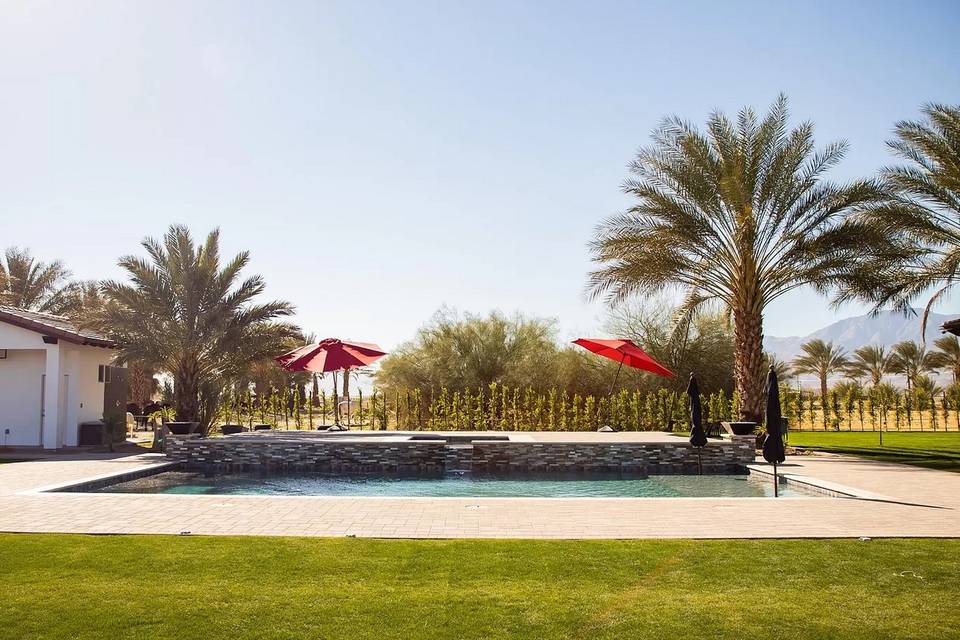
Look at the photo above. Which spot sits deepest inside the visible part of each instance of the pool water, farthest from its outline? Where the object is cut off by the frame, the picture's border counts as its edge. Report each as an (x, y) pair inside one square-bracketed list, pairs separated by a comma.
[(466, 485)]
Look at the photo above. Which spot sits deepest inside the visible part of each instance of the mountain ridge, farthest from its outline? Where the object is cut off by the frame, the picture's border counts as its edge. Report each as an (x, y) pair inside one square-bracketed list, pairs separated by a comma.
[(884, 329)]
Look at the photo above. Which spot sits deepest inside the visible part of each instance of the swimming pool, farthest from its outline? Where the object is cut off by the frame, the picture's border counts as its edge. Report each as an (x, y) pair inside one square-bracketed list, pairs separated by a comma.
[(457, 485)]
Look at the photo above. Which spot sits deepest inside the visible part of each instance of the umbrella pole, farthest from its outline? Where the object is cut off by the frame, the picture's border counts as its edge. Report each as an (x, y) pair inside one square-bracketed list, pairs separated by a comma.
[(699, 460), (336, 404), (776, 485), (617, 377)]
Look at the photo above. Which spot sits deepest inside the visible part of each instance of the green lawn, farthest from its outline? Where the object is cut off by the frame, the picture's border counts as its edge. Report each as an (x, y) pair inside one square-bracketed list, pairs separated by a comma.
[(58, 586), (935, 450)]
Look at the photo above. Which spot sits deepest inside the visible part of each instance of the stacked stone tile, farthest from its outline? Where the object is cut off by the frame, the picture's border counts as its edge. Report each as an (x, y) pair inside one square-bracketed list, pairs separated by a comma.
[(273, 452)]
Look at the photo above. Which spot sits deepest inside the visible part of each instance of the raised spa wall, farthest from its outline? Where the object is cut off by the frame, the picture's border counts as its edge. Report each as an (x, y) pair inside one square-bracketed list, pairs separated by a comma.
[(276, 453)]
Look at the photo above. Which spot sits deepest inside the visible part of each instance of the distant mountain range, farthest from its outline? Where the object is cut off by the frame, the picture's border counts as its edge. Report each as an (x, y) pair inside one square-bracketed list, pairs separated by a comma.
[(885, 329)]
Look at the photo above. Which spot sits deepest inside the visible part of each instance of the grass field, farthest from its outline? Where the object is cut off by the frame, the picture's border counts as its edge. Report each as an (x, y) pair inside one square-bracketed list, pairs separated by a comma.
[(57, 586), (933, 450)]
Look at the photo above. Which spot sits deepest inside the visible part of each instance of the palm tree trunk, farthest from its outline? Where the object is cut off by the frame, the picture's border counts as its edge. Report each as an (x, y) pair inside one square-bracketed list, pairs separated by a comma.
[(186, 394), (748, 362), (824, 404)]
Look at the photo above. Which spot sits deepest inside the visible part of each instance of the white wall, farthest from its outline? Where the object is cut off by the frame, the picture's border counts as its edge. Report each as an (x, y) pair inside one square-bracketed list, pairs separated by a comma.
[(79, 394), (85, 394), (20, 379), (12, 337)]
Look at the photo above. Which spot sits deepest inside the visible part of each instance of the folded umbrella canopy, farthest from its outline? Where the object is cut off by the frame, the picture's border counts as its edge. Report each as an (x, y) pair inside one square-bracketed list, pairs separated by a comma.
[(698, 437), (624, 352), (773, 451)]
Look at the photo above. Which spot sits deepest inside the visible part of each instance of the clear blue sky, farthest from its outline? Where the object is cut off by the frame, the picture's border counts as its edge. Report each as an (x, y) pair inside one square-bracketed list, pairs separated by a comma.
[(381, 159)]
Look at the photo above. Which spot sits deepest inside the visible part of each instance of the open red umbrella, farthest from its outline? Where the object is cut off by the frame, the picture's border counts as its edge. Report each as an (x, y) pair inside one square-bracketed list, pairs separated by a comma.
[(626, 353), (331, 354), (334, 355)]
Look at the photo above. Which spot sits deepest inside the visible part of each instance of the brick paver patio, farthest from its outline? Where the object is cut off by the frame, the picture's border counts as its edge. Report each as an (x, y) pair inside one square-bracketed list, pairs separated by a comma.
[(908, 501)]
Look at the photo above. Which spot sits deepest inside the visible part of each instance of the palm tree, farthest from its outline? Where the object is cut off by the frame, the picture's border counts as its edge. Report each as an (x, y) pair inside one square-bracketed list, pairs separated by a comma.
[(917, 229), (911, 360), (782, 368), (947, 356), (739, 214), (28, 283), (185, 313), (870, 361), (927, 387), (81, 301), (821, 359)]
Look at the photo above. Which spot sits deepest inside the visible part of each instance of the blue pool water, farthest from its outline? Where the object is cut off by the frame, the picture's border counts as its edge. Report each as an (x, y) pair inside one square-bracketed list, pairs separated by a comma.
[(579, 486)]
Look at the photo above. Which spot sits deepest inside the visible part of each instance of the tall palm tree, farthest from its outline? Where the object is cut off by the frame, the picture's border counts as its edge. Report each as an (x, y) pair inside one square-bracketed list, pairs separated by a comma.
[(947, 355), (81, 301), (911, 360), (870, 361), (927, 386), (918, 227), (188, 314), (782, 368), (821, 359), (739, 214), (28, 283)]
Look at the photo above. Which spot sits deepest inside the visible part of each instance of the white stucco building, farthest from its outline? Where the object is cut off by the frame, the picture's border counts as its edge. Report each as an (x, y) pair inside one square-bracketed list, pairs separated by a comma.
[(53, 377)]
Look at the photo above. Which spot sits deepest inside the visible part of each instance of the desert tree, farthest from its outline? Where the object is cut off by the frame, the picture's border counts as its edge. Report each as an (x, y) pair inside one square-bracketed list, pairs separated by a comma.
[(189, 314), (823, 360), (29, 283), (911, 360), (914, 251), (946, 356), (740, 213), (871, 362)]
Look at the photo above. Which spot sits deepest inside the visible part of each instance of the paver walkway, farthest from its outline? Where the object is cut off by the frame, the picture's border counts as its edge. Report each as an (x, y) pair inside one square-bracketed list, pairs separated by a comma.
[(918, 502)]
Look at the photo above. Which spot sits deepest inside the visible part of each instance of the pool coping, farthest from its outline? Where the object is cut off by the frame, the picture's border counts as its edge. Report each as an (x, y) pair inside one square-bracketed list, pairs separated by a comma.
[(101, 481), (926, 505), (826, 487)]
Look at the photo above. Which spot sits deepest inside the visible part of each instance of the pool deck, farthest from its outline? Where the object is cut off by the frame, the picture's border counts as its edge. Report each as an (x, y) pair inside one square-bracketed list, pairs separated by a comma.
[(898, 501), (638, 437)]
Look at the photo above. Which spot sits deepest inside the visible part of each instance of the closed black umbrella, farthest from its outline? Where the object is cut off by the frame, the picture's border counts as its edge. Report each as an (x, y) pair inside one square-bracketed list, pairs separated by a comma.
[(773, 444), (698, 438)]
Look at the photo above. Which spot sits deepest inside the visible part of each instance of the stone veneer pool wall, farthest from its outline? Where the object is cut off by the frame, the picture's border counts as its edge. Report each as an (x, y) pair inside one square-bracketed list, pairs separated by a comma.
[(273, 452)]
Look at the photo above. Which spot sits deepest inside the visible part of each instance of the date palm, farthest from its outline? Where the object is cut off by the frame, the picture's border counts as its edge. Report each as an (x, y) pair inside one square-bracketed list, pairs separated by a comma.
[(870, 361), (739, 214), (947, 355), (911, 360), (28, 283), (821, 359), (782, 368), (919, 225), (189, 315)]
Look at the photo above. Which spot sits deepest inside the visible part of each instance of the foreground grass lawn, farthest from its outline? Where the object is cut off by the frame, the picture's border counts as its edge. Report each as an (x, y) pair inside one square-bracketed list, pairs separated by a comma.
[(934, 450), (58, 586)]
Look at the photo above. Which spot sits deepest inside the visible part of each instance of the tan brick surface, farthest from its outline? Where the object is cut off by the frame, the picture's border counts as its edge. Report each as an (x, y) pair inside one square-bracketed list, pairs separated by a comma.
[(921, 503)]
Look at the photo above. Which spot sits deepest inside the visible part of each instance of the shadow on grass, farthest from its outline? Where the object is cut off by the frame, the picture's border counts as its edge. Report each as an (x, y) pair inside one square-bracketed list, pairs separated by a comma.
[(941, 460)]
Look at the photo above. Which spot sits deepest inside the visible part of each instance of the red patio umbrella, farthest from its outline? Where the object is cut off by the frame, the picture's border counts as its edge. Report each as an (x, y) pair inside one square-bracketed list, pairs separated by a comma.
[(626, 353), (331, 354), (334, 355)]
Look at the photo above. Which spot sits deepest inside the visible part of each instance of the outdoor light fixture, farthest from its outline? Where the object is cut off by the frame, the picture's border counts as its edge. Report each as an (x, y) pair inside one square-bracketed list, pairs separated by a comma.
[(3, 354)]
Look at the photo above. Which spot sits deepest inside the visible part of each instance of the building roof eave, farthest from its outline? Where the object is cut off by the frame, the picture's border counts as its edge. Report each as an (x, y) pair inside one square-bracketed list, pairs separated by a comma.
[(53, 326)]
